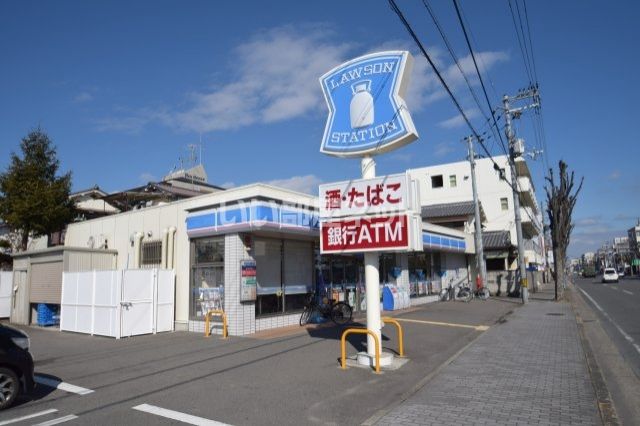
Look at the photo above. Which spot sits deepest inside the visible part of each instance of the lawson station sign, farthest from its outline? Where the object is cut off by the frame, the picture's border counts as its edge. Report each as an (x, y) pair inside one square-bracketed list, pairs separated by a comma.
[(367, 112)]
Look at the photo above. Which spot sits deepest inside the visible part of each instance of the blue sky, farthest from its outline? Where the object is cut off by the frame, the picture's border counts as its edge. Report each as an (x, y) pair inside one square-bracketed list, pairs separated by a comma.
[(123, 87)]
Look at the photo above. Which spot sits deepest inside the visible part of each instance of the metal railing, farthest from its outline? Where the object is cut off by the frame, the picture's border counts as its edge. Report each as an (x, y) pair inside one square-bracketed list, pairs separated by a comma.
[(343, 345), (389, 320)]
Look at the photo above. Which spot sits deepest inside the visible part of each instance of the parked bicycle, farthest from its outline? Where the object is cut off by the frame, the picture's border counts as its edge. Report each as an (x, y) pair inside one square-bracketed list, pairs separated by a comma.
[(339, 312), (464, 292)]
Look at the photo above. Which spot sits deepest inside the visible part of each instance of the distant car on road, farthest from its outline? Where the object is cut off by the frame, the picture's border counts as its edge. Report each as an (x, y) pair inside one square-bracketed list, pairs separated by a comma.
[(620, 272), (16, 365), (610, 276), (589, 271)]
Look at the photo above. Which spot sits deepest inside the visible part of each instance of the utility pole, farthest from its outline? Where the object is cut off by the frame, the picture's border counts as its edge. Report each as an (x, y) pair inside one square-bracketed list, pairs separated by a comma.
[(515, 152), (481, 265)]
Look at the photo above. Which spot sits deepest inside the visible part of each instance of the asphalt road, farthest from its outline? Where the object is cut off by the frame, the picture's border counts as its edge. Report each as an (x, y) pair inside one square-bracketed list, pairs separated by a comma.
[(291, 379), (618, 307)]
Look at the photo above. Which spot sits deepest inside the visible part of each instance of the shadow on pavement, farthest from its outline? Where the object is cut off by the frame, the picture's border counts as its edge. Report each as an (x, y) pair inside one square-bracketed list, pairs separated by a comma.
[(334, 332), (39, 392)]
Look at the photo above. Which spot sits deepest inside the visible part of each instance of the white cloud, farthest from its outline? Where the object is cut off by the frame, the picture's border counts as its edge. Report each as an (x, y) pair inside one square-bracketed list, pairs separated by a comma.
[(403, 158), (307, 184), (277, 79), (458, 120), (131, 124), (228, 185), (615, 175), (147, 177), (442, 149), (83, 97), (425, 88)]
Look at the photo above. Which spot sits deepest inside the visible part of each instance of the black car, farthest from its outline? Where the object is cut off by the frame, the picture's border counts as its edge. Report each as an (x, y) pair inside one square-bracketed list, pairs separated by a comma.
[(16, 365)]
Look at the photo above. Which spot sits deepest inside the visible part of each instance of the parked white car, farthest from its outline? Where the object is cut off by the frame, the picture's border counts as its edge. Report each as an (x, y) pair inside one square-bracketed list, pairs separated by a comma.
[(610, 276)]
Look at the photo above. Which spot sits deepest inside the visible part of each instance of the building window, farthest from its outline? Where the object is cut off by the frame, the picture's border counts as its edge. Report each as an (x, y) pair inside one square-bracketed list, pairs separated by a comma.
[(504, 204), (437, 182), (452, 181), (284, 275), (151, 254), (207, 276)]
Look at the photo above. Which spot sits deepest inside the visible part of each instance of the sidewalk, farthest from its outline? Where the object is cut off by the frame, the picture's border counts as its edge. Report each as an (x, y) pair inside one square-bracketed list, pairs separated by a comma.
[(529, 370)]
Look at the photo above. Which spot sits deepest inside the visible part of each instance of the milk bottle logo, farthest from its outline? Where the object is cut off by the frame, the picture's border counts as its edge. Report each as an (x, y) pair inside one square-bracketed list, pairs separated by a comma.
[(367, 112), (361, 107)]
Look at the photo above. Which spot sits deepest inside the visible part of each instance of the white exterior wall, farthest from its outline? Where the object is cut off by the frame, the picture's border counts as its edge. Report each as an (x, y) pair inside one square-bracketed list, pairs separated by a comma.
[(118, 230), (455, 267), (490, 190)]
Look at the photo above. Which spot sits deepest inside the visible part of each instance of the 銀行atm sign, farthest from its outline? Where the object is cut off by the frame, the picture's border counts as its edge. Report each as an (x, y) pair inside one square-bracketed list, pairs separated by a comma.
[(367, 233)]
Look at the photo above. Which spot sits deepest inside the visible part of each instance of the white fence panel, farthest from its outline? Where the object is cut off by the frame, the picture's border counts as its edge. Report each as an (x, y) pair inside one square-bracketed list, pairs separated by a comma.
[(72, 309), (6, 281), (106, 303), (165, 300), (118, 303)]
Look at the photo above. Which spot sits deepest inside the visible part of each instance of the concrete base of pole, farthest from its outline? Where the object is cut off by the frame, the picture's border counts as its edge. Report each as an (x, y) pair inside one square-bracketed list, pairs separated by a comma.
[(386, 359)]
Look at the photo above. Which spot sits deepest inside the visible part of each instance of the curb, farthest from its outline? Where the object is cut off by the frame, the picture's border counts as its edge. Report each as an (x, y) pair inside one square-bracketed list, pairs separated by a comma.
[(606, 408)]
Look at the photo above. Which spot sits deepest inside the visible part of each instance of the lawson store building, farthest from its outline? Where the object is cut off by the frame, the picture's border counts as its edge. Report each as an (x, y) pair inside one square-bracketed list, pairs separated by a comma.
[(213, 240)]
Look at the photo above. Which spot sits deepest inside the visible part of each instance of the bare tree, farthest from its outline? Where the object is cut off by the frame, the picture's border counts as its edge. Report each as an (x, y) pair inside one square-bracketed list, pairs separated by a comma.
[(560, 203)]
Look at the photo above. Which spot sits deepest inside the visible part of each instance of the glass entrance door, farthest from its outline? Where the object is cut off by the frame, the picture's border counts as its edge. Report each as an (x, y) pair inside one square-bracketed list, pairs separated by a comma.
[(207, 276), (208, 289)]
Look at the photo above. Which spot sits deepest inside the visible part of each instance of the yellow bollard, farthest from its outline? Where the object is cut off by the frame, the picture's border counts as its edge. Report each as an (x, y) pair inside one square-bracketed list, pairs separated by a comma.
[(388, 320), (343, 345), (217, 312)]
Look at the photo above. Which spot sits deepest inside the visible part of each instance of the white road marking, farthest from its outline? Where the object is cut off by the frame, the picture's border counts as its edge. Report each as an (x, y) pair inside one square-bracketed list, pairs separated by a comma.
[(614, 288), (58, 420), (626, 336), (628, 292), (27, 417), (605, 285), (446, 324), (176, 415), (57, 384)]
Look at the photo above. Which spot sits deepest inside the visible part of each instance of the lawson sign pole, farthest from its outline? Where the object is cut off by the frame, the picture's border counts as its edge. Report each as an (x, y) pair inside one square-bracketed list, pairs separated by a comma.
[(372, 277), (367, 116)]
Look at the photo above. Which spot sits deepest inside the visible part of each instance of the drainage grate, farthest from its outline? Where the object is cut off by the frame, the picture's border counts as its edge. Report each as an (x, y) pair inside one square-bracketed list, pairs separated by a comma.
[(555, 314)]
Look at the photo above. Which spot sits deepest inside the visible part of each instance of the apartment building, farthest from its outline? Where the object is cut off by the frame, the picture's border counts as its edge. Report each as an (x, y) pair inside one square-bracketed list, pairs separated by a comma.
[(450, 185)]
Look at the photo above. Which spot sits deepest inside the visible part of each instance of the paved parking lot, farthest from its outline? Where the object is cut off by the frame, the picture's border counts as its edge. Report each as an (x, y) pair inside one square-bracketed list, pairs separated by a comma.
[(290, 379)]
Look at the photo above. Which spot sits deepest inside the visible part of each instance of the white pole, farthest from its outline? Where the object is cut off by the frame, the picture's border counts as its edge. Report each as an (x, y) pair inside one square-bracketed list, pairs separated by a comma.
[(372, 278)]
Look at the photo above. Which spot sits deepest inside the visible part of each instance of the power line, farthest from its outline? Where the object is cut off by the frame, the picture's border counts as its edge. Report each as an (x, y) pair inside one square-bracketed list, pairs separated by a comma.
[(524, 57), (404, 21), (457, 62), (533, 58), (475, 63)]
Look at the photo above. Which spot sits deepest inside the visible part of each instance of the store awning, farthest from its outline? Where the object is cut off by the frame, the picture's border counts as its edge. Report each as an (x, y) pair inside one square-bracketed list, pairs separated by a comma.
[(253, 216)]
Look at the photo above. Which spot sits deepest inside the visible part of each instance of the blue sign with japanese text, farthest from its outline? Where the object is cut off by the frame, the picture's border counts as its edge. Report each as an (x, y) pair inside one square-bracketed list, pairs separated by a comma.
[(367, 112)]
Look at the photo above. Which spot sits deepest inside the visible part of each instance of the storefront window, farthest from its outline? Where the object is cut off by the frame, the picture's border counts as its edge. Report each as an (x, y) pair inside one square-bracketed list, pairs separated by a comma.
[(387, 268), (342, 279), (284, 275), (420, 274), (207, 276)]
